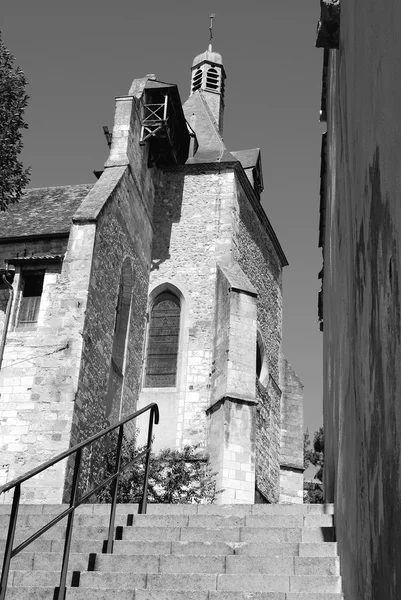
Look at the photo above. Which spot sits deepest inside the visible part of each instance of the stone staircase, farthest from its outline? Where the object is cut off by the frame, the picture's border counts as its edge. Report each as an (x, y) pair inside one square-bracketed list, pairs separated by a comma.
[(181, 552)]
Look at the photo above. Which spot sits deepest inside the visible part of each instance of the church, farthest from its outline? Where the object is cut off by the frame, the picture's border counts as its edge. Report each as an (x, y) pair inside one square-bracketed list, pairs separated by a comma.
[(161, 282)]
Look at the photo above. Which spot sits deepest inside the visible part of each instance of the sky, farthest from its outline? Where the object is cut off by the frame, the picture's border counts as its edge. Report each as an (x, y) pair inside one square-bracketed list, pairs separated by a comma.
[(79, 55)]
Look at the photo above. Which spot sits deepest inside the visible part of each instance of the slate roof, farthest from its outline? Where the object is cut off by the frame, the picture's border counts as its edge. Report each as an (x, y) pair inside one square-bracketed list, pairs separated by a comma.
[(211, 145), (43, 211), (247, 158)]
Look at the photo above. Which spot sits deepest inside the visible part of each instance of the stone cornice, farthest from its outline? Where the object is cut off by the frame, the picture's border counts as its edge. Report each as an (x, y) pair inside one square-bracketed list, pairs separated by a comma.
[(231, 398)]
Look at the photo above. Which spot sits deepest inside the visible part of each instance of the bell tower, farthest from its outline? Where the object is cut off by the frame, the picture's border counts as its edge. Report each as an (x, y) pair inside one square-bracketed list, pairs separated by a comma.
[(208, 76)]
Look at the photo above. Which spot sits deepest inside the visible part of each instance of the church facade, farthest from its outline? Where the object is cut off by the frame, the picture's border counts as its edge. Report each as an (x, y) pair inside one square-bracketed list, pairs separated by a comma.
[(162, 282)]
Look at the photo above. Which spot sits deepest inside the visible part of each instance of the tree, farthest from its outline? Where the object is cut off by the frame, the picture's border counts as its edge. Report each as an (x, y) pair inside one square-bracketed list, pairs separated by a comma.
[(175, 476), (13, 101), (315, 456)]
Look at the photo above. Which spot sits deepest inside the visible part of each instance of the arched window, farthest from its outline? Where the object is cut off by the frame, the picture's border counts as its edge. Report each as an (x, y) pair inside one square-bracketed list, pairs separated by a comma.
[(163, 336), (197, 80), (121, 323), (212, 78)]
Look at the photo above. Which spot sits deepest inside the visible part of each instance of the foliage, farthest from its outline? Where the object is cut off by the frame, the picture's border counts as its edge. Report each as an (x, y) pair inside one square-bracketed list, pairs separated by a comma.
[(175, 476), (13, 101), (314, 456)]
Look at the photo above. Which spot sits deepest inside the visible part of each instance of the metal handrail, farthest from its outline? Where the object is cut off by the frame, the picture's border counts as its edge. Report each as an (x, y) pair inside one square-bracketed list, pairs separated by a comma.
[(10, 552)]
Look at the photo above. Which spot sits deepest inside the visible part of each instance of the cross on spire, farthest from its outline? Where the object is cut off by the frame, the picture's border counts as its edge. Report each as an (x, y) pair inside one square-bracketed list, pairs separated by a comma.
[(211, 30)]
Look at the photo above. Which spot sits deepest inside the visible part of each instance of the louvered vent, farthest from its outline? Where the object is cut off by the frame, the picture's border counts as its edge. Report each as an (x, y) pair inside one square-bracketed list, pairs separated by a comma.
[(212, 79), (197, 80)]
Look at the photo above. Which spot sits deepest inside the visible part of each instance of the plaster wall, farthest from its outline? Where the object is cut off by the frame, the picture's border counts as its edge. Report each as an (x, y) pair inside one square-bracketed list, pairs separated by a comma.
[(361, 299)]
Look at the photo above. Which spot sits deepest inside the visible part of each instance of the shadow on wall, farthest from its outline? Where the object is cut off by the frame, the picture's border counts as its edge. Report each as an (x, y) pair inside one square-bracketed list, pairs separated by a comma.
[(167, 210)]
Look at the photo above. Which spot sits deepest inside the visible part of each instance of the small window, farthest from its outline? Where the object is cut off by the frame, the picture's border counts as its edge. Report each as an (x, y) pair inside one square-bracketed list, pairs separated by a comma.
[(31, 293), (162, 351)]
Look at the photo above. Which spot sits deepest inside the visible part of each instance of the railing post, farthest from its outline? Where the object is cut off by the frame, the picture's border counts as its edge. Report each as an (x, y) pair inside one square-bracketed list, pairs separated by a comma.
[(144, 502), (68, 530), (10, 541), (114, 490)]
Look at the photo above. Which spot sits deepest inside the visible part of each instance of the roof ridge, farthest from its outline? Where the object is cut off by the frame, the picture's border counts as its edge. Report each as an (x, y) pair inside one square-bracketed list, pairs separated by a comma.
[(214, 124), (54, 187)]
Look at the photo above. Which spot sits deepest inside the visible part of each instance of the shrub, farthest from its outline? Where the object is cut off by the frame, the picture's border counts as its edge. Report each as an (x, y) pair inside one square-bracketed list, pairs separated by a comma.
[(175, 476)]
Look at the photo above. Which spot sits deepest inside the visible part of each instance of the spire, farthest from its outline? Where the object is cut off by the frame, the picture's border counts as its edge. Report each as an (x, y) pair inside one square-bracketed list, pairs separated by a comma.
[(208, 76)]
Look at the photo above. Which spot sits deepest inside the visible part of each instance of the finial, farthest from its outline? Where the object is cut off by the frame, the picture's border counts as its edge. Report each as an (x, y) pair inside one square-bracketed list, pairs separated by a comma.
[(211, 31)]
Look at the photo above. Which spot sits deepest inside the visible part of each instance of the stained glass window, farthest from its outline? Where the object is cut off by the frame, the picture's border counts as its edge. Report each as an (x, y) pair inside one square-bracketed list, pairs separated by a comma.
[(162, 352)]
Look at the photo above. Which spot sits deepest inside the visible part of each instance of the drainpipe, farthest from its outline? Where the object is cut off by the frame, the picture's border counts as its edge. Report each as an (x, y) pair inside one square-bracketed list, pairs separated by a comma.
[(7, 319)]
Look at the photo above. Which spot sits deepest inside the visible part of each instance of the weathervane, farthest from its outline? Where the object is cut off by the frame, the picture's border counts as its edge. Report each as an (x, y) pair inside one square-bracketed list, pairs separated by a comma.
[(211, 30)]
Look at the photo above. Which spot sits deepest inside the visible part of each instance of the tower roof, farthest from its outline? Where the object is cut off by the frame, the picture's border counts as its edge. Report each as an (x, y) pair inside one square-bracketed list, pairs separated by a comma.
[(208, 56)]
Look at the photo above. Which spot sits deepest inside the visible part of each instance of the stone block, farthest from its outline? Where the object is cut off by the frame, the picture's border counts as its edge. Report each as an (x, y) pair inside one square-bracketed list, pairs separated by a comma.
[(151, 533), (304, 583), (210, 534), (317, 565), (257, 564), (107, 563), (192, 564), (171, 595), (174, 581), (253, 582), (97, 580)]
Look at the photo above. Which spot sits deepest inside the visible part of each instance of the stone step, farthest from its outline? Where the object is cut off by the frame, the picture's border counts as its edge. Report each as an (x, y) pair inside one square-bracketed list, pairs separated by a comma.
[(48, 545), (168, 563), (178, 509), (98, 520), (258, 548), (141, 594), (246, 582), (262, 548), (324, 566), (226, 548), (230, 534), (31, 593), (177, 552)]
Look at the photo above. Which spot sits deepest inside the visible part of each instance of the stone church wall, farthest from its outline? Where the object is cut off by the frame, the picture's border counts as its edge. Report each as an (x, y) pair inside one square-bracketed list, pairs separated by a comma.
[(40, 375), (122, 205), (256, 255), (123, 238), (192, 231), (291, 438), (267, 443), (59, 373)]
